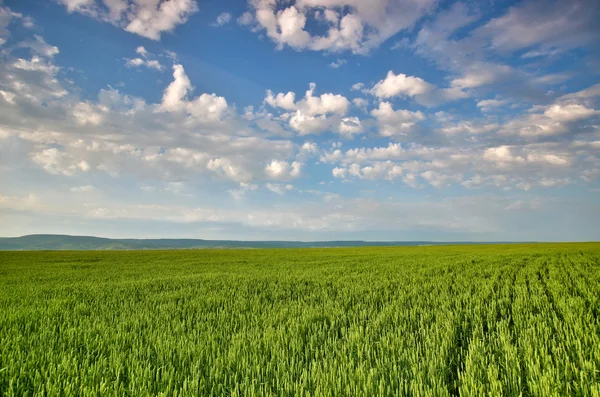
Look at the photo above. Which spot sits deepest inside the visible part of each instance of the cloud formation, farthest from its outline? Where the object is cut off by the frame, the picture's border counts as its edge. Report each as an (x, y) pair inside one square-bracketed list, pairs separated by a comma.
[(351, 25), (148, 19), (489, 114)]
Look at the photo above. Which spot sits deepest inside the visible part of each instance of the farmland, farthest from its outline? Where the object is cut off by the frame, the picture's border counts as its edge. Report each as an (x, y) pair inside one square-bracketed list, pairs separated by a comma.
[(503, 320)]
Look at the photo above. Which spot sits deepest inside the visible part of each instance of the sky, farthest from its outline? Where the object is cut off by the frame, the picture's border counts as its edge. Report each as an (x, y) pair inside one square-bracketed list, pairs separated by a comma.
[(301, 119)]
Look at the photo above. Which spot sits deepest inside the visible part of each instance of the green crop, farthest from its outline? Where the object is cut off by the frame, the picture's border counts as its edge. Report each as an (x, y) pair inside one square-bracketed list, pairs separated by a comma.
[(504, 320)]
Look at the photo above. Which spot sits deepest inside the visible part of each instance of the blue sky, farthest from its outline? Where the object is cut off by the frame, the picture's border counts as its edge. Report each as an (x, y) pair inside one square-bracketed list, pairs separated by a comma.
[(301, 119)]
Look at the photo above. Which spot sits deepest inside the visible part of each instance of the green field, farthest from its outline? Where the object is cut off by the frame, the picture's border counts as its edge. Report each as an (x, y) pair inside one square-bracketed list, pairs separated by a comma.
[(418, 321)]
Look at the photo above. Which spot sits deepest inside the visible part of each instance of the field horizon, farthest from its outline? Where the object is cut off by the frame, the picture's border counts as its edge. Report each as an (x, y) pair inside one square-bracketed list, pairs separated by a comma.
[(61, 242)]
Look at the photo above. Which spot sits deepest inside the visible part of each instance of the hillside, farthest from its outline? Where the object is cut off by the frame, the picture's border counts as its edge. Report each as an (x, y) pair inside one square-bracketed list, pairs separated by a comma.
[(35, 242)]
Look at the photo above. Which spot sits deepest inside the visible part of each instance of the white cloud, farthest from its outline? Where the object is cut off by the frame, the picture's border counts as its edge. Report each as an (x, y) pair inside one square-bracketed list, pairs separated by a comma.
[(324, 104), (401, 84), (350, 126), (32, 80), (481, 74), (339, 172), (245, 19), (222, 19), (475, 65), (173, 97), (279, 188), (208, 108), (144, 61), (239, 194), (228, 169), (154, 64), (569, 114), (204, 108), (146, 18), (313, 114), (306, 124), (360, 103), (354, 25), (394, 123), (137, 62), (142, 51), (284, 101), (549, 25), (283, 170), (182, 137), (57, 162), (31, 202), (86, 114), (488, 105), (440, 180), (377, 170), (36, 64), (39, 47), (337, 64), (197, 137), (467, 127), (508, 156), (5, 17), (7, 96), (308, 148), (505, 166), (415, 87)]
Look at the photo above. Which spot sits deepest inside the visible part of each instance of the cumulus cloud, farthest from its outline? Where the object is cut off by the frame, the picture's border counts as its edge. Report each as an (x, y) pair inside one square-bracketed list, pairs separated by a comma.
[(521, 166), (350, 126), (137, 62), (351, 25), (228, 169), (184, 136), (283, 170), (312, 114), (142, 51), (323, 104), (309, 148), (197, 137), (204, 108), (305, 124), (570, 114), (284, 101), (145, 18), (396, 122), (401, 84), (360, 103), (144, 60), (57, 162), (377, 170), (414, 87)]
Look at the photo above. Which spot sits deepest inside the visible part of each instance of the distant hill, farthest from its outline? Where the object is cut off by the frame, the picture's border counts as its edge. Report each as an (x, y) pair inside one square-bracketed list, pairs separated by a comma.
[(38, 242)]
